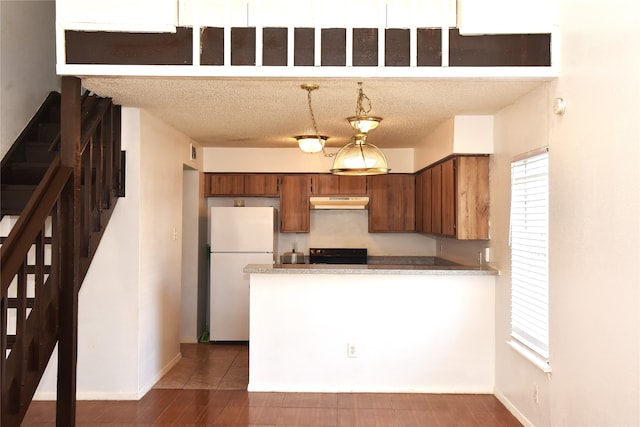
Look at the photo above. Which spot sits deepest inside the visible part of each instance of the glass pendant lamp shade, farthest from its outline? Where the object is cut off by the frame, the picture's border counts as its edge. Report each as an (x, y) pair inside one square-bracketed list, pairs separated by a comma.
[(364, 124), (360, 158), (311, 143)]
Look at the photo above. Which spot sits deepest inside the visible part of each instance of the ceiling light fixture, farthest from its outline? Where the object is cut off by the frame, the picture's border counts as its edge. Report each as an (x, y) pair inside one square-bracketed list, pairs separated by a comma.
[(361, 122), (311, 143), (359, 157)]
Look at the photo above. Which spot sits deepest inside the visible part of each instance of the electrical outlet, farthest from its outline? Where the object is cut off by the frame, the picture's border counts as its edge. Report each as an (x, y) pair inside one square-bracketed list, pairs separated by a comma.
[(351, 350)]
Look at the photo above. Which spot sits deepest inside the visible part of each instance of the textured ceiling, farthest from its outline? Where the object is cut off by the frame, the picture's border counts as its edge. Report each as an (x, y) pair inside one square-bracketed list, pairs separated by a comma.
[(243, 112)]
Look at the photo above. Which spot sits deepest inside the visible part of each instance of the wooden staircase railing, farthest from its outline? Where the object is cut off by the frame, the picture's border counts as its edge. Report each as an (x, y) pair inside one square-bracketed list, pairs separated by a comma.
[(65, 217)]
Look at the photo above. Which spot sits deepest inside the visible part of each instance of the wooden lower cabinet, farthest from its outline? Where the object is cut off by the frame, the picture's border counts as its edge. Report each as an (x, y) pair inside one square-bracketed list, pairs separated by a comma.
[(392, 203), (294, 203)]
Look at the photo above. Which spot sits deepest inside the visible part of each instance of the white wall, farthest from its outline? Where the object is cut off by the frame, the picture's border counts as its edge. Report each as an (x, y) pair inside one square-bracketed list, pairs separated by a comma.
[(594, 227), (191, 199), (293, 160), (436, 146), (118, 15), (341, 228), (27, 64), (129, 305), (463, 134), (278, 13), (163, 151), (412, 333), (108, 327), (506, 16)]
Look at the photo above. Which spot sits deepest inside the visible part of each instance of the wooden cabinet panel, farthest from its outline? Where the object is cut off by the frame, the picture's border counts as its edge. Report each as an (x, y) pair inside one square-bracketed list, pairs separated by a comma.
[(261, 185), (423, 202), (294, 203), (420, 202), (353, 185), (472, 180), (325, 185), (225, 185), (392, 203), (436, 199), (338, 185), (448, 199)]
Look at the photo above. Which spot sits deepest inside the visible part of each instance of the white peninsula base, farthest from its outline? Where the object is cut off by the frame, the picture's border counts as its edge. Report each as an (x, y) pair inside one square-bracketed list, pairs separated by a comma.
[(372, 333)]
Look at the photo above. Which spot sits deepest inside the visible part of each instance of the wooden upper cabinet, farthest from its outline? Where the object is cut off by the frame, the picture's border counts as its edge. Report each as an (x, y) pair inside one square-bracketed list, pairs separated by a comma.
[(338, 185), (223, 184), (261, 185), (458, 203), (294, 203), (472, 198), (392, 203)]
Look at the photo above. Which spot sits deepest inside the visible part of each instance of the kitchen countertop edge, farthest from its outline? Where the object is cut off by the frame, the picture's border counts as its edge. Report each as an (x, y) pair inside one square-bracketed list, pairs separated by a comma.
[(369, 269)]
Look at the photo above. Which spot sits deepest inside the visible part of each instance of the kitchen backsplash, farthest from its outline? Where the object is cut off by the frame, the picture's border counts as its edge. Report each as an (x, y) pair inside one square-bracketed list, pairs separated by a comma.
[(349, 228)]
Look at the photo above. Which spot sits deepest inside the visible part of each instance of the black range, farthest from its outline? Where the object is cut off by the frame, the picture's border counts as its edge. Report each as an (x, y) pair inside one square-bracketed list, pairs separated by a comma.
[(338, 256)]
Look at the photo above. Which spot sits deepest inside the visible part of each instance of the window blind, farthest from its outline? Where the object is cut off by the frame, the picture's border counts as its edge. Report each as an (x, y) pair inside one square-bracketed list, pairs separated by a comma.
[(529, 235)]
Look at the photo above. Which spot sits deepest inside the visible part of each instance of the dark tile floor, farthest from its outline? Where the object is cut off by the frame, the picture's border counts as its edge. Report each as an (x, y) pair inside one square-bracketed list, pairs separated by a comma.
[(208, 388)]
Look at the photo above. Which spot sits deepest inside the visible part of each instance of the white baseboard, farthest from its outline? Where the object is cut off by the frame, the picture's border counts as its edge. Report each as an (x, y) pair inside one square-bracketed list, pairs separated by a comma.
[(89, 395), (314, 388), (144, 389), (514, 411), (107, 395)]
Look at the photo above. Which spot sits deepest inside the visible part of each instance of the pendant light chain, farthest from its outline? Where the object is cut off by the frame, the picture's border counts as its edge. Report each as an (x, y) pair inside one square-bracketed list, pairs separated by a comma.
[(362, 98), (313, 117), (310, 88)]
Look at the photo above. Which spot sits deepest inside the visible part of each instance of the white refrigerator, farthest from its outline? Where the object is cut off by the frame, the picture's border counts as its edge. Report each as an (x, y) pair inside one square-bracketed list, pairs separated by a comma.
[(239, 236)]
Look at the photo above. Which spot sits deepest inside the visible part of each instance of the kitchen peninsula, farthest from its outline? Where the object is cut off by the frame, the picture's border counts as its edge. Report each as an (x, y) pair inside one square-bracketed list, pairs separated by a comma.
[(372, 328)]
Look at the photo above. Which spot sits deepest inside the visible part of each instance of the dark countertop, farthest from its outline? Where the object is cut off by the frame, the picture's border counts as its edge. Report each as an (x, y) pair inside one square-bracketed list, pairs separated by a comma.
[(435, 268)]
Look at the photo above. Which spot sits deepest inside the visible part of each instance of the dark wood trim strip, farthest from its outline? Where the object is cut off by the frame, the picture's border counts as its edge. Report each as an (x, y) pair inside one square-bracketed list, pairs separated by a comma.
[(499, 50), (365, 47), (333, 47), (243, 46), (274, 50), (119, 48), (429, 44), (495, 50), (397, 50), (212, 46), (304, 47)]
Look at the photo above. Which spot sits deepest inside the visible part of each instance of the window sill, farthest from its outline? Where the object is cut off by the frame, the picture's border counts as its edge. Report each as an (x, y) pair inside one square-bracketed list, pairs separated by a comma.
[(539, 362)]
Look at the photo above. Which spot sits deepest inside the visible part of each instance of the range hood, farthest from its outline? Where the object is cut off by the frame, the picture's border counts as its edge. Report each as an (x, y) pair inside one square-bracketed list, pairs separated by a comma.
[(339, 202)]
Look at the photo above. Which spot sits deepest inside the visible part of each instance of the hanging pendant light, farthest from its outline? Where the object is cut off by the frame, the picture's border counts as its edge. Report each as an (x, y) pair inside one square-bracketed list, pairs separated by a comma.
[(359, 157), (362, 122), (311, 143)]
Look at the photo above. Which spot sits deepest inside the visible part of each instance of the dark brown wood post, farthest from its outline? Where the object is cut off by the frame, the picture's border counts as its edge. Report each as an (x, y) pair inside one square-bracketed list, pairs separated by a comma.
[(69, 253)]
